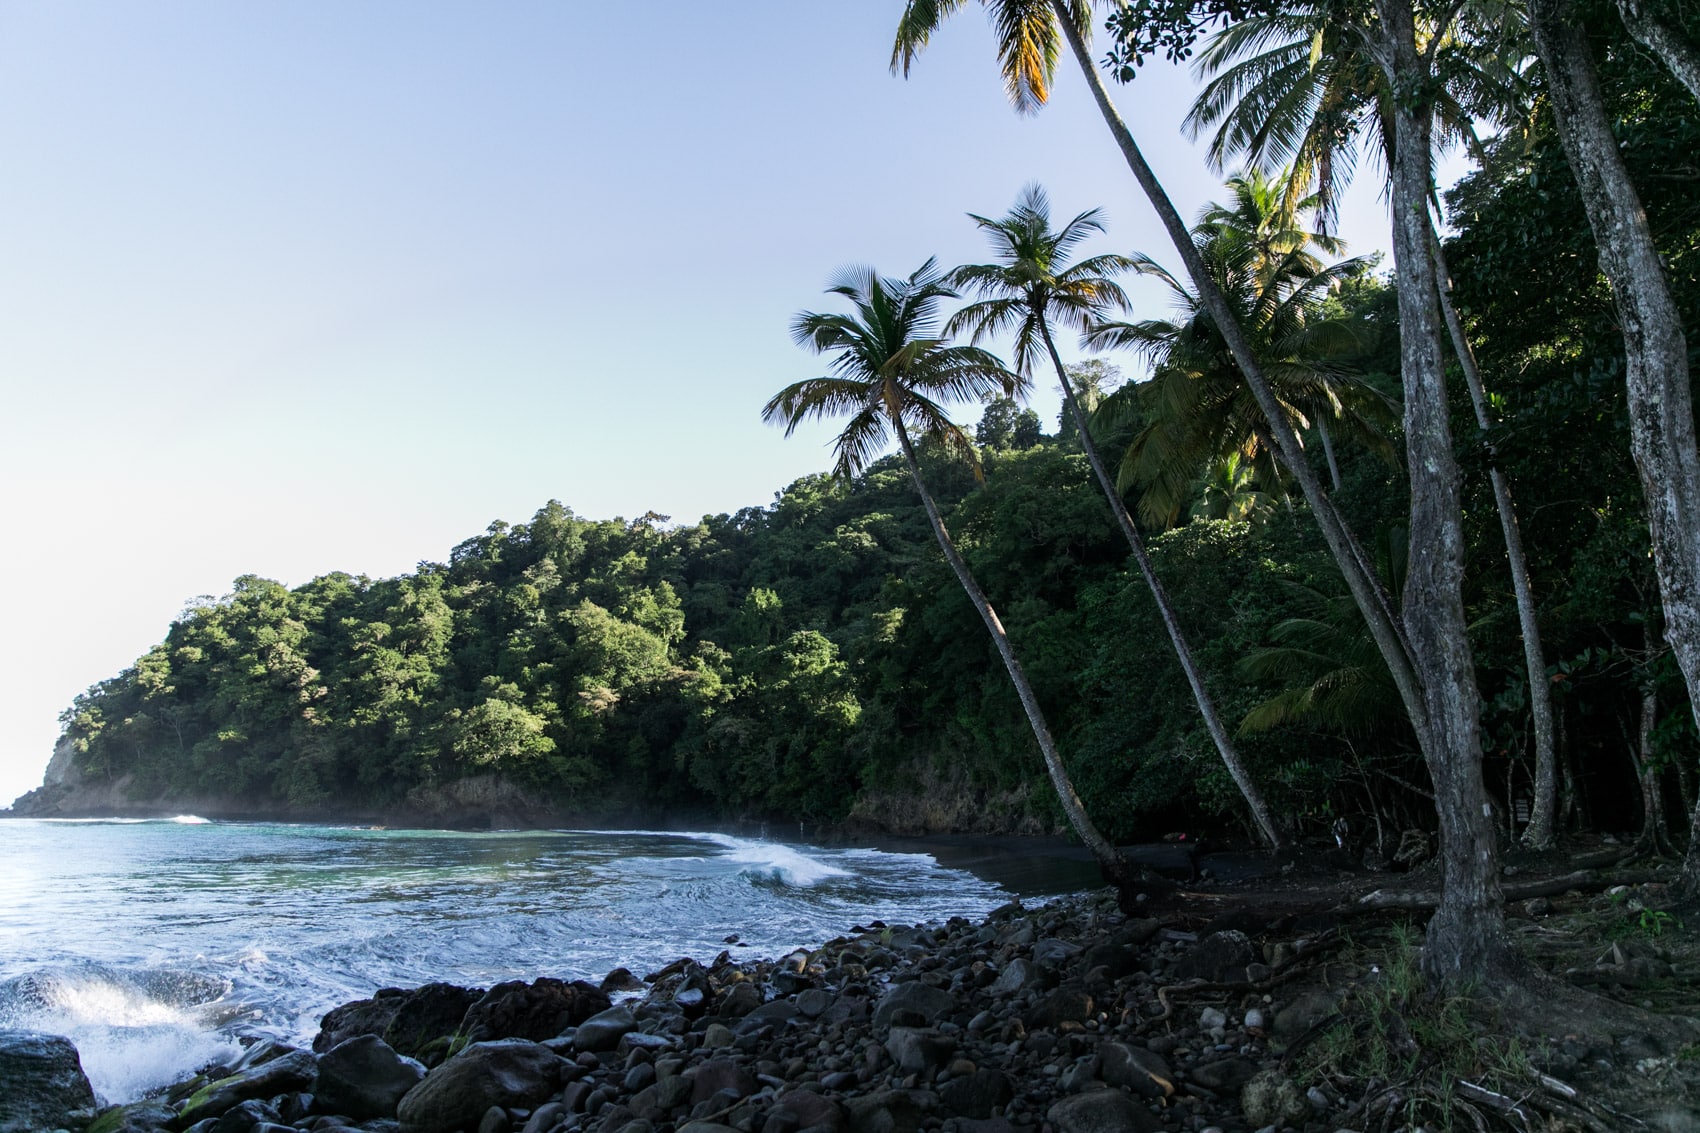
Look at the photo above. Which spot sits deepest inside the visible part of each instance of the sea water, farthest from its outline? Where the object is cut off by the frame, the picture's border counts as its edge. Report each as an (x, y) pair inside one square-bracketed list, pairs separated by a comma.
[(159, 946)]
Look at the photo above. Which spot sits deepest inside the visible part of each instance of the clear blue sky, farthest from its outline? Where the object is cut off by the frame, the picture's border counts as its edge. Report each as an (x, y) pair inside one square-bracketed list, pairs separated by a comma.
[(294, 286)]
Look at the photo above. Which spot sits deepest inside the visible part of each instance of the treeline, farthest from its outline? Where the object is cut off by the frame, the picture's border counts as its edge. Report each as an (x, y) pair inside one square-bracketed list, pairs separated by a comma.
[(814, 660)]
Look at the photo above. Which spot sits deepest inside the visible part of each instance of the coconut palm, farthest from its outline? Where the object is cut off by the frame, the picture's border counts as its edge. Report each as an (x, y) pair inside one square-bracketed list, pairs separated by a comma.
[(1030, 288), (890, 370), (1197, 406), (1302, 85), (1427, 648)]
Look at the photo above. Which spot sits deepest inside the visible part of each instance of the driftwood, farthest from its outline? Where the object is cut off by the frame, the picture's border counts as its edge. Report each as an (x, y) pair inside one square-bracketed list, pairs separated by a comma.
[(1584, 880)]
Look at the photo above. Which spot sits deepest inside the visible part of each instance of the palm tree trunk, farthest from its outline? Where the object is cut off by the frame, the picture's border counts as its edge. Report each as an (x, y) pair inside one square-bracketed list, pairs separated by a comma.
[(1661, 409), (1109, 858), (1384, 624), (1328, 451), (1539, 834), (1466, 940), (1654, 32), (1268, 832)]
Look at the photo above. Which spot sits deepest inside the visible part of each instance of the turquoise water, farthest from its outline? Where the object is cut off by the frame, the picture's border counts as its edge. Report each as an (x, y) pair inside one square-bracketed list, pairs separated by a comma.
[(156, 945)]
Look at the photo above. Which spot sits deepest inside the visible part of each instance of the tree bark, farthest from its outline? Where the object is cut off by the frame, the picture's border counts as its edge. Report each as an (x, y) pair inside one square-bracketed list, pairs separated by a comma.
[(1539, 833), (1660, 36), (1268, 832), (1656, 375), (1109, 858)]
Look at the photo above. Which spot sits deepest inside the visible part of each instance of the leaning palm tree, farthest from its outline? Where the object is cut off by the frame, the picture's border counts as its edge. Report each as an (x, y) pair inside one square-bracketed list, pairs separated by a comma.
[(890, 369), (1300, 84), (1030, 288), (1426, 646)]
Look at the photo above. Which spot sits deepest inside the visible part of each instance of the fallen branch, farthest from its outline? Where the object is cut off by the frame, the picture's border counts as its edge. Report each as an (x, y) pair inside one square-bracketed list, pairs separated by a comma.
[(1586, 881)]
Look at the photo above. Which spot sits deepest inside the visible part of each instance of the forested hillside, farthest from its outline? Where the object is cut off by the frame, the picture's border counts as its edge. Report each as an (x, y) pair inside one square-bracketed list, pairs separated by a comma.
[(814, 661)]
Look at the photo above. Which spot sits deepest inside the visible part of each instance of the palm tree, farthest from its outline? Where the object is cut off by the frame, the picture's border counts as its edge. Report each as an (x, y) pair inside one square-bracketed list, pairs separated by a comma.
[(890, 368), (1429, 658), (1197, 406), (1302, 85), (1031, 287)]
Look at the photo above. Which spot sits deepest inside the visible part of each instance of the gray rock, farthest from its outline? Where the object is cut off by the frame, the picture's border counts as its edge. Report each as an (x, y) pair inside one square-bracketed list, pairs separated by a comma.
[(740, 1001), (814, 1002), (455, 1095), (977, 1094), (775, 1014), (1220, 957), (1271, 1098), (604, 1030), (888, 1111), (41, 1082), (495, 1120), (1302, 1014), (1017, 975), (811, 1110), (294, 1071), (246, 1117), (364, 1078), (707, 1127), (918, 1051), (719, 1074), (913, 1005), (536, 1011), (1212, 1019), (1064, 1005), (544, 1117), (138, 1117), (1053, 953), (1101, 1111), (1135, 1069), (1224, 1076)]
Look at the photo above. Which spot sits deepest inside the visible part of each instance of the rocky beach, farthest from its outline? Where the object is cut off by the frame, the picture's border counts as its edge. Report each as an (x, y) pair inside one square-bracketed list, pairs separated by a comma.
[(1066, 1017)]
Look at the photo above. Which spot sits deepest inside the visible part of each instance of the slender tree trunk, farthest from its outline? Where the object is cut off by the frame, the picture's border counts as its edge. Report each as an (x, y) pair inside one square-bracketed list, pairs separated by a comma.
[(1267, 830), (1328, 451), (1109, 858), (1539, 833), (1663, 38), (1384, 624), (1661, 410), (1466, 938)]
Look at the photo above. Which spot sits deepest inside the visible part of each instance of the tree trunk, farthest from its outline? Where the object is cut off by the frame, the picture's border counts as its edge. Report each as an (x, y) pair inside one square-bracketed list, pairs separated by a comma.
[(1109, 858), (1384, 624), (1328, 451), (1466, 938), (1539, 834), (1661, 410), (1268, 832), (1657, 34)]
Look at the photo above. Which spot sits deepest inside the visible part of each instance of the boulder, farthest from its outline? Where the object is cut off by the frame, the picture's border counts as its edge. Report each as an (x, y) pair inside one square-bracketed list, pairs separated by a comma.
[(605, 1029), (919, 1051), (719, 1074), (41, 1082), (1017, 975), (137, 1117), (1135, 1069), (810, 1110), (364, 1078), (293, 1071), (1065, 1005), (536, 1011), (1220, 957), (1101, 1111), (1224, 1076), (1271, 1098), (977, 1094), (413, 1023), (914, 1005), (888, 1111), (775, 1014), (512, 1073)]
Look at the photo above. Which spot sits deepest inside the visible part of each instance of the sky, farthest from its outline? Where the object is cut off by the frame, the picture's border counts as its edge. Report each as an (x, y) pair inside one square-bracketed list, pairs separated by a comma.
[(298, 286)]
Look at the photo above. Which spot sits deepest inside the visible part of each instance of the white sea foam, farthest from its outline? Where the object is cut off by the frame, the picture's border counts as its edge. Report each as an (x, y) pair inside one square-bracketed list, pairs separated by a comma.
[(191, 820), (773, 860)]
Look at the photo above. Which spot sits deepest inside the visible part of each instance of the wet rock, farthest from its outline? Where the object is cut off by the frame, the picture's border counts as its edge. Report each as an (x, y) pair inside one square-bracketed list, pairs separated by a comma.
[(1135, 1069), (513, 1073), (740, 1001), (1101, 1111), (977, 1095), (41, 1082), (294, 1071), (138, 1117), (814, 1002), (775, 1014), (409, 1021), (1220, 957), (1054, 953), (605, 1029), (364, 1078), (1271, 1098), (1017, 975), (495, 1120), (621, 979), (913, 1005), (246, 1117), (888, 1111), (536, 1011)]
